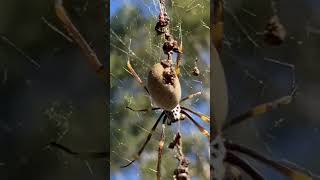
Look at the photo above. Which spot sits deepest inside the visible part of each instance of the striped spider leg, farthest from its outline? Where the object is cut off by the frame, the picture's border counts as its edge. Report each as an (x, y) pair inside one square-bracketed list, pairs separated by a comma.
[(169, 117), (229, 148)]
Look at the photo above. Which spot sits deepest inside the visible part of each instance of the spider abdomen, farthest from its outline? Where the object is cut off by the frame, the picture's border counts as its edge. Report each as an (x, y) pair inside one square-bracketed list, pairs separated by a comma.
[(164, 86)]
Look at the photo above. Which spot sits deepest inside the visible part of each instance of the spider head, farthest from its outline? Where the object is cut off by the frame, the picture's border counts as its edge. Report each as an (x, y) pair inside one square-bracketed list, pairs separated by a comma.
[(174, 115)]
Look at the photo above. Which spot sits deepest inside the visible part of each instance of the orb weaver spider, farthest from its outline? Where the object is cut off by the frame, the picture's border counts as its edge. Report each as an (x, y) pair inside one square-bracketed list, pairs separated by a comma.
[(169, 115), (163, 88), (225, 154)]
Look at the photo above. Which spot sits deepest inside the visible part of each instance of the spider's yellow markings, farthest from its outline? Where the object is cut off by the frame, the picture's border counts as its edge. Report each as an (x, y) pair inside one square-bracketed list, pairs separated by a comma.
[(292, 173), (260, 109), (263, 108), (205, 132), (300, 176), (201, 129), (190, 96), (203, 117)]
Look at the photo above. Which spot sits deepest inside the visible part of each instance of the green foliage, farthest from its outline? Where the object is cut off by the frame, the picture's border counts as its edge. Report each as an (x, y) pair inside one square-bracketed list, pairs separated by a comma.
[(132, 28)]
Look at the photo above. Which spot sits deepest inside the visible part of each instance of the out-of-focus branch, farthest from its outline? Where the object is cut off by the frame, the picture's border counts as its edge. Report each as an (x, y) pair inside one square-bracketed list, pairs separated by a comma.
[(20, 51), (78, 38), (217, 20)]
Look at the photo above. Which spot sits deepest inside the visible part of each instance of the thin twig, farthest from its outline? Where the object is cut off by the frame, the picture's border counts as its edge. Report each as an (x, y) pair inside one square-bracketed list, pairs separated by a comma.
[(5, 76), (78, 38), (217, 32), (20, 51), (290, 66), (89, 167), (51, 26)]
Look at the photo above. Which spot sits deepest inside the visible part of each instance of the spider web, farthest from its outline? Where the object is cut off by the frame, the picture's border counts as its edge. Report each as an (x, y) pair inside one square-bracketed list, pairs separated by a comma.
[(39, 104), (133, 38)]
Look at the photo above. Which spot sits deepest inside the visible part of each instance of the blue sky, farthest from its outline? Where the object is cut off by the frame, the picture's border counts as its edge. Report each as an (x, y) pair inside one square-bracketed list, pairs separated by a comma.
[(115, 5)]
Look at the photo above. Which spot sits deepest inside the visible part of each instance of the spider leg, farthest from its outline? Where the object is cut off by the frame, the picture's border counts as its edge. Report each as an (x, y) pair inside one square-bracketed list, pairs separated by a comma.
[(136, 76), (285, 170), (235, 160), (260, 109), (78, 38), (201, 116), (190, 96), (81, 155), (143, 110), (146, 142), (201, 129), (160, 149)]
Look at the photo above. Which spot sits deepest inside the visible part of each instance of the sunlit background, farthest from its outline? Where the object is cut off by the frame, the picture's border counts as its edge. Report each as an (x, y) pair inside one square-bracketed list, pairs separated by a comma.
[(132, 25), (63, 100)]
